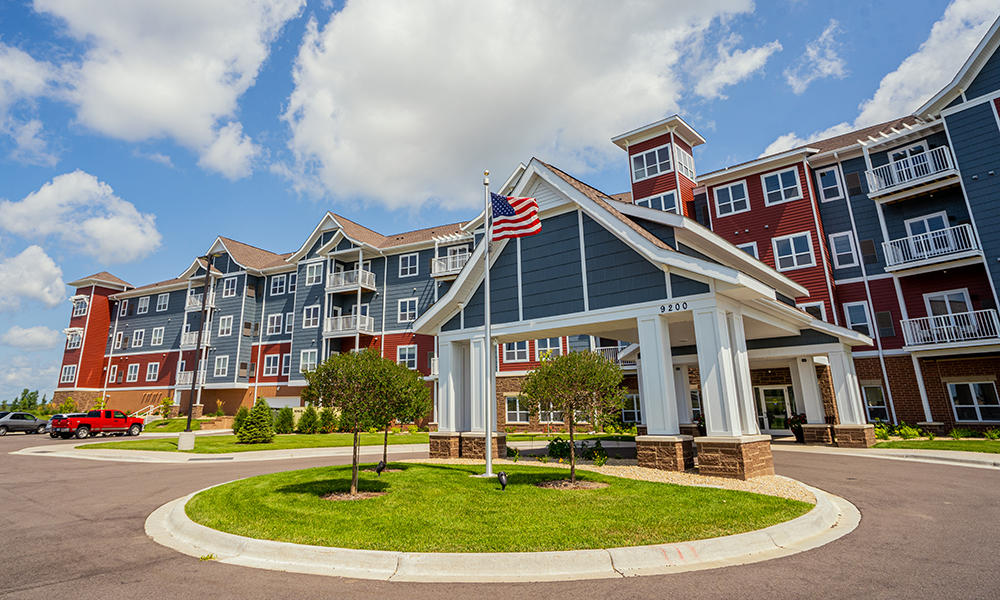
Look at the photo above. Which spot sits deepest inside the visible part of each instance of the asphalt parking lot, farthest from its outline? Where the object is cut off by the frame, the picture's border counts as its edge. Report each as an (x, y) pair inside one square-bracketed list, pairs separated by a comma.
[(74, 528)]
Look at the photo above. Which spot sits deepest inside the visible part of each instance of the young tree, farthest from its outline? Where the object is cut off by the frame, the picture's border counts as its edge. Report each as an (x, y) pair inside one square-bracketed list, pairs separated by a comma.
[(309, 421), (258, 427), (327, 420), (285, 422), (578, 384), (405, 398), (240, 418)]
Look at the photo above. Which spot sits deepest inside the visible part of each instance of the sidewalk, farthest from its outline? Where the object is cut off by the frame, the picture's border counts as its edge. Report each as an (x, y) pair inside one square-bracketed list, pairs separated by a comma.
[(980, 460), (369, 453)]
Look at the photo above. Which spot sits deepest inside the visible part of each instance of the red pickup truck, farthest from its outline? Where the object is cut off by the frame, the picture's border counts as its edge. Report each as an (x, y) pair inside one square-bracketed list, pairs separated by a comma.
[(97, 421)]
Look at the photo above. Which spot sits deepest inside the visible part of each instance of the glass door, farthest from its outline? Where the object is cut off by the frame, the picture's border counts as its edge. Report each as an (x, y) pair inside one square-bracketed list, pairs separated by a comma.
[(930, 236), (773, 409), (950, 315)]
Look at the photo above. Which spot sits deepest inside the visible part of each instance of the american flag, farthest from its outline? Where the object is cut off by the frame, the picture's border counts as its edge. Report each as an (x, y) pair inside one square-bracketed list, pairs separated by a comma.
[(514, 217)]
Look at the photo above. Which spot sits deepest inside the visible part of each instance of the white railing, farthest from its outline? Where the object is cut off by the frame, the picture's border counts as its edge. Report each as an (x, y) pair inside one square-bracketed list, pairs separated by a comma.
[(910, 169), (948, 329), (194, 301), (189, 339), (349, 280), (933, 244), (434, 366), (611, 353), (449, 265), (349, 324), (184, 377)]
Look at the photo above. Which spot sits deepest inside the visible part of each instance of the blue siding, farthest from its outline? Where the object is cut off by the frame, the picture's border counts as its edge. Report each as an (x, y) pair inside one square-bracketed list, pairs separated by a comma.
[(172, 321), (551, 277), (225, 345), (419, 286), (949, 200), (503, 285), (681, 286), (988, 80), (865, 218), (664, 233), (836, 218), (302, 339), (616, 274)]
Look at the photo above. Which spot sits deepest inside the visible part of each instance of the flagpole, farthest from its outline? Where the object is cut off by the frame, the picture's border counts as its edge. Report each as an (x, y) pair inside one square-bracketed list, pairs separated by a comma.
[(488, 346)]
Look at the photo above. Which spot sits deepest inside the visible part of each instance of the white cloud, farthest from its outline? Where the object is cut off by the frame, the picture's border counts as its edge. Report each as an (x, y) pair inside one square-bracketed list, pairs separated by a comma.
[(919, 76), (21, 372), (23, 80), (171, 69), (406, 102), (819, 61), (30, 275), (157, 157), (83, 213), (733, 66), (32, 338)]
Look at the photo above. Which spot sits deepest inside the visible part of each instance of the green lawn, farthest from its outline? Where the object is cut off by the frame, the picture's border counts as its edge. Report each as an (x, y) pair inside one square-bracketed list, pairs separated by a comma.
[(440, 508), (218, 444), (173, 425), (989, 446), (604, 437)]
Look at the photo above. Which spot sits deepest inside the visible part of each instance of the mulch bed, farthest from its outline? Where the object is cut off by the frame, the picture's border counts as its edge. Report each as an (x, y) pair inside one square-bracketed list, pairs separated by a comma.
[(341, 496), (564, 484)]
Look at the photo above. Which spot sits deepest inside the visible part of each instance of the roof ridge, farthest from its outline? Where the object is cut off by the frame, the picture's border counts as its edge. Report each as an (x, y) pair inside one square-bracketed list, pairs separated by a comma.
[(229, 239)]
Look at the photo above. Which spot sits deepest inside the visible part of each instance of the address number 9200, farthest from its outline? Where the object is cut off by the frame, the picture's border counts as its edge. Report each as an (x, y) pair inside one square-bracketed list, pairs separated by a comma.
[(673, 307)]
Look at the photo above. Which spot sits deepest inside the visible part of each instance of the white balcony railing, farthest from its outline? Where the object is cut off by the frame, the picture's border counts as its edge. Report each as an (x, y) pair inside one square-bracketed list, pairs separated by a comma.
[(348, 325), (972, 326), (448, 265), (189, 339), (911, 169), (434, 366), (194, 301), (349, 280), (933, 244), (184, 377), (611, 353)]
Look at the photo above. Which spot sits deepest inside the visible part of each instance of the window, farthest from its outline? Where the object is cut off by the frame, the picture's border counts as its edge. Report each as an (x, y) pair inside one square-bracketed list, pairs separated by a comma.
[(272, 362), (857, 317), (157, 338), (548, 414), (113, 373), (975, 401), (314, 273), (650, 163), (750, 248), (868, 253), (225, 325), (289, 322), (229, 287), (517, 412), (885, 325), (307, 360), (853, 181), (143, 306), (816, 309), (73, 340), (782, 186), (292, 280), (162, 302), (79, 307), (138, 337), (123, 308), (793, 251), (221, 366), (842, 248), (152, 371), (515, 352), (875, 403), (685, 162), (407, 356), (731, 199), (286, 364), (277, 285), (409, 265), (118, 340), (310, 317), (829, 184), (274, 324), (407, 310), (551, 347), (666, 202), (944, 305), (631, 412), (68, 374), (132, 375)]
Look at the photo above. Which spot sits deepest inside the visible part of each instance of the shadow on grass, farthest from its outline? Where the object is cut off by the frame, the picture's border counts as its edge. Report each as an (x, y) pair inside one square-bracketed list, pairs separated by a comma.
[(325, 487)]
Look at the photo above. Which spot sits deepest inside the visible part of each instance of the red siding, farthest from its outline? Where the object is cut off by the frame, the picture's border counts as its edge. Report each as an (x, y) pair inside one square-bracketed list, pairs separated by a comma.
[(90, 354), (257, 355), (660, 184), (531, 363), (883, 293), (972, 278), (165, 377)]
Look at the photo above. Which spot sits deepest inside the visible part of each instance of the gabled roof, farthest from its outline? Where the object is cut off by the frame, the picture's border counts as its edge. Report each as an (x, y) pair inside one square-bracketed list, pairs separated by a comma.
[(360, 233), (673, 123), (102, 278), (159, 286), (973, 65), (252, 257)]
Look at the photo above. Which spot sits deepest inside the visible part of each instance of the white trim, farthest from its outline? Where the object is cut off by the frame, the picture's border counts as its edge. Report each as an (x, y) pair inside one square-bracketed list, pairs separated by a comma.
[(226, 292), (221, 366), (166, 305), (781, 188), (317, 317), (645, 166), (746, 245), (149, 367), (583, 266), (315, 358), (964, 291), (836, 175), (399, 310), (516, 351), (660, 196), (836, 256), (868, 316), (907, 222), (277, 319), (415, 266), (142, 305), (229, 332), (538, 355), (820, 304), (850, 280), (416, 356), (746, 197), (970, 382), (274, 283), (774, 249)]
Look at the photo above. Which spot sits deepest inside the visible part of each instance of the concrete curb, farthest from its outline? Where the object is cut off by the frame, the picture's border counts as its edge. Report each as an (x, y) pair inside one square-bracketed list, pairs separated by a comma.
[(162, 457), (832, 517), (955, 458)]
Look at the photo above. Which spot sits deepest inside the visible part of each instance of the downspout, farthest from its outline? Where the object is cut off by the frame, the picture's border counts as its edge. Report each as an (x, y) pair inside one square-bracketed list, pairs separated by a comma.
[(111, 354), (385, 293)]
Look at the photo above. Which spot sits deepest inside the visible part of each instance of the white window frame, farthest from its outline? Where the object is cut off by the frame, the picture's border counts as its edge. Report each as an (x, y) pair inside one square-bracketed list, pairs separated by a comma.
[(406, 310), (415, 267), (635, 409), (539, 351), (286, 364), (685, 162), (410, 359), (521, 414), (314, 273), (162, 302), (272, 365), (142, 305), (729, 186), (293, 283), (289, 322), (277, 285), (123, 308), (836, 256), (781, 188), (274, 324), (753, 245), (821, 305), (226, 326), (656, 157), (309, 320), (156, 337), (513, 354), (229, 287), (138, 338), (68, 374), (551, 412), (946, 293), (848, 323), (119, 338), (908, 223), (74, 340), (80, 307), (822, 190), (221, 366), (152, 371), (650, 202), (790, 237), (113, 374), (868, 407), (307, 360), (132, 373), (976, 405)]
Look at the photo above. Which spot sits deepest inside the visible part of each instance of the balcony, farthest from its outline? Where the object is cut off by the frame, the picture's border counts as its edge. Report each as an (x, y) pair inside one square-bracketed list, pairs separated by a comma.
[(189, 339), (184, 377), (194, 301), (447, 266), (349, 325), (611, 353), (979, 327), (348, 281), (905, 173), (950, 243)]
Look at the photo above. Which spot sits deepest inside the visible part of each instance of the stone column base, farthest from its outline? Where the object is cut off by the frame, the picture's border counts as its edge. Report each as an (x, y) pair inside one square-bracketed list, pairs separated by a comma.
[(444, 444), (196, 410), (472, 444), (736, 457), (854, 436), (933, 427), (817, 433), (690, 429), (665, 452)]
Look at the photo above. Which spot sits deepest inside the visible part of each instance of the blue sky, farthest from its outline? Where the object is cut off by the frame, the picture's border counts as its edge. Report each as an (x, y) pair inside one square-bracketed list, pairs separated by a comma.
[(132, 133)]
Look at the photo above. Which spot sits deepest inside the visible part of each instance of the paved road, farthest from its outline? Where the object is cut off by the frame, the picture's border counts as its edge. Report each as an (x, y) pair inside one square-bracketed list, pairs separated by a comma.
[(74, 529)]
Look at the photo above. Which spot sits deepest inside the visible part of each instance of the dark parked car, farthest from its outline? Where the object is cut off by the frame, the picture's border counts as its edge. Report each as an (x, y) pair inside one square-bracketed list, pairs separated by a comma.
[(48, 426), (21, 421)]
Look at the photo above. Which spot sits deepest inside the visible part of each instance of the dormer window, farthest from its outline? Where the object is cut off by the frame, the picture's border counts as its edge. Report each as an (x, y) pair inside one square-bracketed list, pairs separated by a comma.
[(651, 163), (79, 307)]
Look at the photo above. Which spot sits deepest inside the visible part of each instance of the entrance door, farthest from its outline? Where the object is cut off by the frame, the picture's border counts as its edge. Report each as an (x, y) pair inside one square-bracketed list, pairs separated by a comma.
[(930, 236), (773, 409), (951, 315)]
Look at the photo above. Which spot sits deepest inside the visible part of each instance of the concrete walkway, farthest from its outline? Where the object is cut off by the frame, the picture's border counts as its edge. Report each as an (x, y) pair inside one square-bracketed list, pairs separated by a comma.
[(368, 453), (981, 460)]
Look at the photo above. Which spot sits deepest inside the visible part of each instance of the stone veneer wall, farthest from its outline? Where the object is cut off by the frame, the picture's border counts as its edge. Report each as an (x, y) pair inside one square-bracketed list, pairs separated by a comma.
[(668, 453), (735, 459)]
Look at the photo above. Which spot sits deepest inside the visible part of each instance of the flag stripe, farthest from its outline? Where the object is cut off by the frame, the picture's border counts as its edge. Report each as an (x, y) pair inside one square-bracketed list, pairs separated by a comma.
[(514, 217)]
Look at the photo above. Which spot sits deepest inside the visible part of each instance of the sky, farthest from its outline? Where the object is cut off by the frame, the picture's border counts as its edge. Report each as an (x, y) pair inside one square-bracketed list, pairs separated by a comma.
[(132, 133)]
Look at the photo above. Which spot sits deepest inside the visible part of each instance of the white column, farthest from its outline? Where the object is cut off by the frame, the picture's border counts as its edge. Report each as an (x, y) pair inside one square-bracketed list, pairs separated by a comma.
[(642, 392), (806, 387), (741, 374), (447, 388), (682, 393), (719, 397), (657, 376), (477, 385), (845, 388)]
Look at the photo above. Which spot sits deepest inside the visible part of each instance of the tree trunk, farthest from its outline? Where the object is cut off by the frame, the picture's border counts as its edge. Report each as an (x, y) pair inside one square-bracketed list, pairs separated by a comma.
[(385, 446), (354, 467), (572, 454)]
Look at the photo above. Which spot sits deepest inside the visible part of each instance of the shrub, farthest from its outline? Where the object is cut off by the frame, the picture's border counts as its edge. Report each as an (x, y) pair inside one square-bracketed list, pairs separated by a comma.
[(992, 434), (596, 452), (218, 409), (258, 427), (600, 461), (68, 406), (327, 420), (165, 407), (906, 432), (309, 421), (881, 431), (285, 422), (961, 432), (411, 428), (396, 429), (240, 418), (559, 448), (513, 454)]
